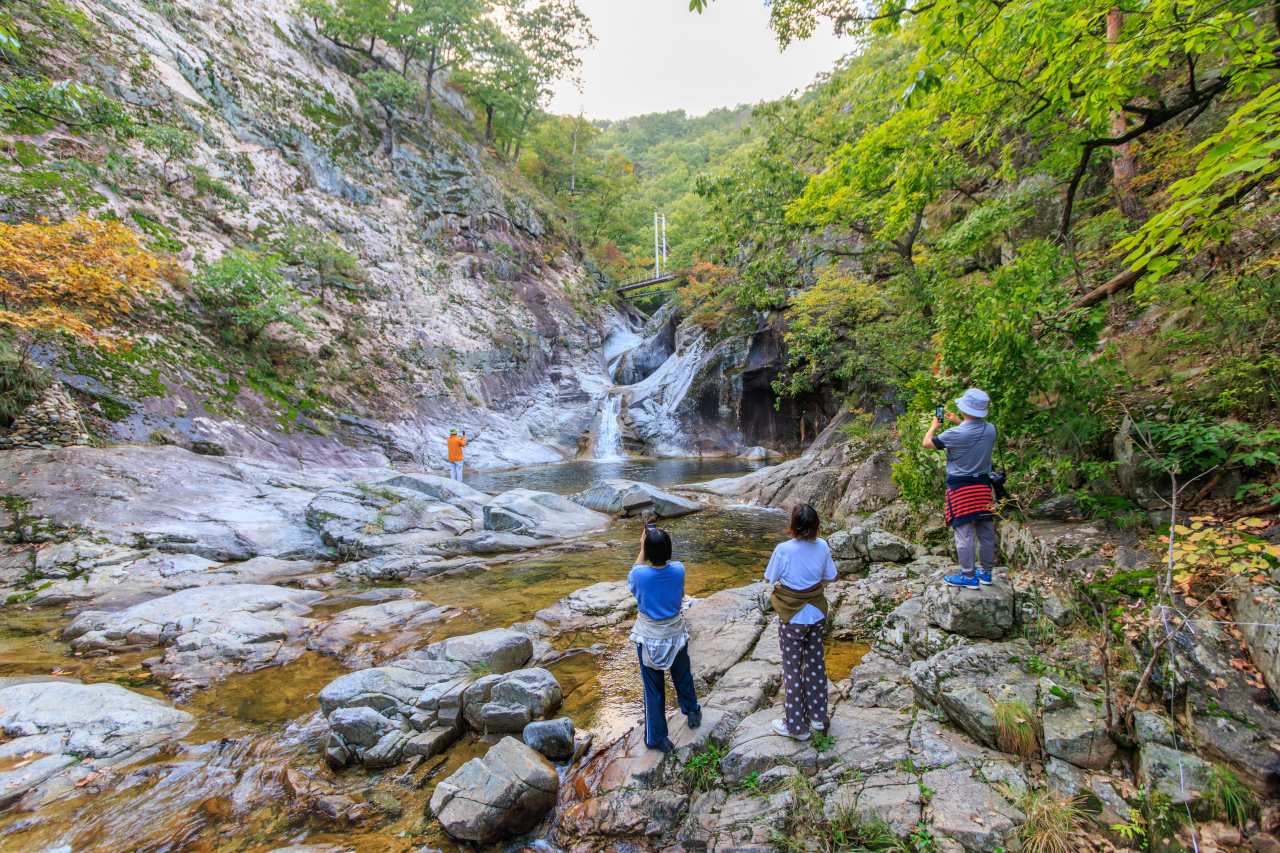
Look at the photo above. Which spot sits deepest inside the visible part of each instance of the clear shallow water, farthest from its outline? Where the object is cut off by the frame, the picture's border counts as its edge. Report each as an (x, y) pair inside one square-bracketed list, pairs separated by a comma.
[(222, 790), (571, 477)]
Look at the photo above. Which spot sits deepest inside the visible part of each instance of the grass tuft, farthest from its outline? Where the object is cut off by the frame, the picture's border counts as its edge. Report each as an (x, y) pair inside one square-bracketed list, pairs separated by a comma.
[(1018, 729), (702, 771), (1051, 822), (1230, 798)]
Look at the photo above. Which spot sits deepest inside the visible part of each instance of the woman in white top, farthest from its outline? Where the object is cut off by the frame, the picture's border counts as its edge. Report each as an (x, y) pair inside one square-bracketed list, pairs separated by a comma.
[(799, 569)]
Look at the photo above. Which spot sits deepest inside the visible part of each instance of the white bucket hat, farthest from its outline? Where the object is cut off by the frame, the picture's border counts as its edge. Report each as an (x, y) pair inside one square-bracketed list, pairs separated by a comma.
[(974, 402)]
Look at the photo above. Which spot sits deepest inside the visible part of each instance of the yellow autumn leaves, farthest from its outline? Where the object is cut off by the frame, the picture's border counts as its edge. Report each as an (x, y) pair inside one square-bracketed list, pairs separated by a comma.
[(75, 277)]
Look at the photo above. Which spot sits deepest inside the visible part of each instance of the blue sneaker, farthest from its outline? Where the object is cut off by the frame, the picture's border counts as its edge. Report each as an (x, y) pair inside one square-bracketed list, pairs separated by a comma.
[(984, 578), (962, 581)]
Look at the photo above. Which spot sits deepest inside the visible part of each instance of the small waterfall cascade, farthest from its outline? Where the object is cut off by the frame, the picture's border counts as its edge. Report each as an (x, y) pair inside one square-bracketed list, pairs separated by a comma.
[(609, 436)]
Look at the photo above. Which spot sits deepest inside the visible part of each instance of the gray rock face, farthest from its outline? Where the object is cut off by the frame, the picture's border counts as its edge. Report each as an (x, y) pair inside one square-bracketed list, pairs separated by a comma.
[(173, 499), (859, 546), (985, 612), (755, 747), (508, 703), (206, 632), (1256, 612), (962, 682), (639, 362), (745, 687), (85, 727), (541, 515), (394, 567), (365, 519), (1180, 776), (892, 797), (500, 650), (552, 738), (958, 798), (506, 792), (723, 628), (1078, 736), (628, 499)]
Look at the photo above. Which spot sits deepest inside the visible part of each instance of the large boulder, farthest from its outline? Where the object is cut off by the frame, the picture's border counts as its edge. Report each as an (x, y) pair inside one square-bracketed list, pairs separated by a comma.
[(505, 793), (541, 515), (985, 612), (859, 546), (76, 730), (366, 519), (966, 683), (498, 650), (552, 738), (596, 606), (1257, 616), (756, 747), (509, 702), (969, 811), (628, 499), (1078, 736), (207, 632)]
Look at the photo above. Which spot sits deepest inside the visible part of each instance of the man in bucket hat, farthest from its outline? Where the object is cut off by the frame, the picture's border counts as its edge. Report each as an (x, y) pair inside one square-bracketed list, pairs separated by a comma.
[(969, 493), (456, 443)]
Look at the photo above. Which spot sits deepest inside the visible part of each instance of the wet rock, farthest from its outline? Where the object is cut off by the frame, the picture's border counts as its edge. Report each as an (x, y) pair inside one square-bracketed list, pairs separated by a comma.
[(85, 727), (499, 650), (394, 567), (601, 604), (965, 683), (627, 499), (552, 738), (509, 702), (506, 792), (624, 813), (487, 542), (365, 520), (755, 748), (541, 515), (755, 454), (1078, 736), (206, 631), (345, 634), (724, 627), (361, 726), (985, 612), (969, 811), (386, 804)]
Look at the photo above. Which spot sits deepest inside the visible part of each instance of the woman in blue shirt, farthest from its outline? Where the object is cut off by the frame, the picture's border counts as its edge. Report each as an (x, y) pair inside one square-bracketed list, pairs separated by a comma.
[(662, 642)]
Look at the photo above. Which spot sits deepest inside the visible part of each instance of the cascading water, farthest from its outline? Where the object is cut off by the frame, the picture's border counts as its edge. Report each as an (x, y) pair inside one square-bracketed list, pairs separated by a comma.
[(609, 436)]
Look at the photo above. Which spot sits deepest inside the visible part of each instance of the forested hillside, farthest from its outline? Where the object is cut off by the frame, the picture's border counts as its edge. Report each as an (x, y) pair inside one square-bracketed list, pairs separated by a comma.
[(1070, 205)]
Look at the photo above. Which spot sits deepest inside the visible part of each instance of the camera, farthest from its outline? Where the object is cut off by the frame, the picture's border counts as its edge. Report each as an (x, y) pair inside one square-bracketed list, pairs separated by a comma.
[(940, 413)]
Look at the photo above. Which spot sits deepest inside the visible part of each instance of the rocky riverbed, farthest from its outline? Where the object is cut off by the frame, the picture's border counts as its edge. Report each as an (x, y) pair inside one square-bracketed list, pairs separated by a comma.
[(221, 654)]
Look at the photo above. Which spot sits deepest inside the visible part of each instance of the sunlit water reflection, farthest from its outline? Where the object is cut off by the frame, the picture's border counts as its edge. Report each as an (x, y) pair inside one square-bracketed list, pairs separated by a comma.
[(222, 790)]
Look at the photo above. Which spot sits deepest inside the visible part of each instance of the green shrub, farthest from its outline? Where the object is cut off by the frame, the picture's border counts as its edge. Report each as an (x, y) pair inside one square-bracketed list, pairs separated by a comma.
[(248, 292)]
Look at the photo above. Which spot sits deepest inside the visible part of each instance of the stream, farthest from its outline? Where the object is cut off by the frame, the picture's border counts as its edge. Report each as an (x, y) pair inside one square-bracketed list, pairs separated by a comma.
[(223, 787)]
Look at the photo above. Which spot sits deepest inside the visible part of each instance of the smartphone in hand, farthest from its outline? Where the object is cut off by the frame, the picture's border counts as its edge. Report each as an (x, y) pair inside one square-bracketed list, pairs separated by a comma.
[(940, 413)]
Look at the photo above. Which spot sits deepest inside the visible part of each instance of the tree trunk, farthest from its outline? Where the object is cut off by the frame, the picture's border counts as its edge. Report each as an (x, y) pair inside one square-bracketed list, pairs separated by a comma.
[(1124, 167), (488, 123), (389, 143), (431, 76)]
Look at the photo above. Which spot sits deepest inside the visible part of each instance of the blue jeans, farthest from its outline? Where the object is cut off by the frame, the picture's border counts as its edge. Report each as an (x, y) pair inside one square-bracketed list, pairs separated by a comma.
[(455, 470), (655, 695)]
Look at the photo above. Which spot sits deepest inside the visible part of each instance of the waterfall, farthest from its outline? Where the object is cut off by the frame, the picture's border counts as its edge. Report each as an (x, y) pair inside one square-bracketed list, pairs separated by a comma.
[(609, 436)]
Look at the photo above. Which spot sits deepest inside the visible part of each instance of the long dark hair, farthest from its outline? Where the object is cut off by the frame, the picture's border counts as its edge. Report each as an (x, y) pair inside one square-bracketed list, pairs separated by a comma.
[(804, 523)]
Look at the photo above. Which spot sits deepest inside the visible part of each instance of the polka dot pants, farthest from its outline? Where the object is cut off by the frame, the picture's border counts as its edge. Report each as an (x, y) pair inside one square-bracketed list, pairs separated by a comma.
[(804, 675)]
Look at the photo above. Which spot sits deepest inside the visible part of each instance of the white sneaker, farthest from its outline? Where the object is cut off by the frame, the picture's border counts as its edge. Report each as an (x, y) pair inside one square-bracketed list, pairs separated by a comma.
[(780, 726), (817, 726)]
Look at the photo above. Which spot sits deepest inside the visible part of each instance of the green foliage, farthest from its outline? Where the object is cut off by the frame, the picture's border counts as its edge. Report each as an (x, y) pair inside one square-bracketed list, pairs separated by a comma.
[(306, 246), (390, 89), (172, 144), (248, 292), (41, 103), (21, 384), (822, 741), (702, 771), (1230, 798)]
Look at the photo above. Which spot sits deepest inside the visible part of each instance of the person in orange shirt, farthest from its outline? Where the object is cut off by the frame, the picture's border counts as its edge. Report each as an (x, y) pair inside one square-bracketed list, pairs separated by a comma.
[(456, 443)]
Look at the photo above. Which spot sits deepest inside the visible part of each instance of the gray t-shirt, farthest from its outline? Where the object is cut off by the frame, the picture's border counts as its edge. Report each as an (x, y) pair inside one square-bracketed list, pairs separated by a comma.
[(968, 447)]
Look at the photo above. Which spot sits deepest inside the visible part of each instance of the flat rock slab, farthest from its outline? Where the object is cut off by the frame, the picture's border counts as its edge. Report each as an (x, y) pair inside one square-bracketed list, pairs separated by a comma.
[(627, 498), (170, 498), (207, 632), (596, 606), (969, 811), (541, 515), (85, 727), (745, 688), (723, 628), (892, 797), (755, 748), (986, 612), (505, 793), (364, 520), (965, 682), (499, 650), (870, 740)]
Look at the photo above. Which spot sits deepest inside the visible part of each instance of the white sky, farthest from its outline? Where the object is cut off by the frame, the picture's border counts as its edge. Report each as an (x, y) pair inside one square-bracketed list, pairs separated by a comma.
[(656, 55)]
